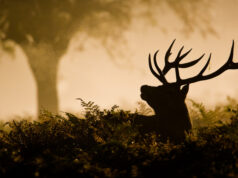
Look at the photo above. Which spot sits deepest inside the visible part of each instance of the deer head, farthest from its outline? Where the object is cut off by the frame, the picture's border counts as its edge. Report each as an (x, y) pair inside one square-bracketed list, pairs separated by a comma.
[(169, 98)]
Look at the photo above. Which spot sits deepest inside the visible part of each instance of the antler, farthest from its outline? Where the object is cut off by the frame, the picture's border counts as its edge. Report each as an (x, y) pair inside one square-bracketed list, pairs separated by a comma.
[(176, 65)]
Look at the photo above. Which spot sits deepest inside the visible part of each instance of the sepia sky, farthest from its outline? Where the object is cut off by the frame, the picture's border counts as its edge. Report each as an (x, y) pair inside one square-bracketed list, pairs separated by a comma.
[(91, 74)]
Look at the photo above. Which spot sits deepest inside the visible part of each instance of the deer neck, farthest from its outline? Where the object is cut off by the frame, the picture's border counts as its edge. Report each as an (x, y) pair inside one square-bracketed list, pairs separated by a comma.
[(180, 111)]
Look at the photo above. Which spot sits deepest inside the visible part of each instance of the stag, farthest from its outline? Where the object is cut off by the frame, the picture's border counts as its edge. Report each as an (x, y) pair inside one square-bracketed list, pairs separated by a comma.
[(171, 119)]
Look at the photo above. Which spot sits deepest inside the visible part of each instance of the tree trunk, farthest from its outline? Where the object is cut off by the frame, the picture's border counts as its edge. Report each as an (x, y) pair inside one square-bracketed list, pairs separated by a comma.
[(44, 60), (47, 88)]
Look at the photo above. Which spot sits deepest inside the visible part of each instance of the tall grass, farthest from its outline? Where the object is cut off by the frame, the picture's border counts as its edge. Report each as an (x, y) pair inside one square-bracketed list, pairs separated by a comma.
[(105, 143)]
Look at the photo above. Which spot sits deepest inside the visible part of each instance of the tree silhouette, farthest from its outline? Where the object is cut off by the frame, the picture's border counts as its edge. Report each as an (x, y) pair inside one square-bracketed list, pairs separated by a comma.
[(44, 28)]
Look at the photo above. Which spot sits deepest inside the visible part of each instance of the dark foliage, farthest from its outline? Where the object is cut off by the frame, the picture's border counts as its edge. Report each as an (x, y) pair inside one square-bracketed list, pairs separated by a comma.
[(107, 144)]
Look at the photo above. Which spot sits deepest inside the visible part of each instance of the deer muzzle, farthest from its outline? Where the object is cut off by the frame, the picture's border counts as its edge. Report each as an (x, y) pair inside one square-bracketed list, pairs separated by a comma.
[(144, 90)]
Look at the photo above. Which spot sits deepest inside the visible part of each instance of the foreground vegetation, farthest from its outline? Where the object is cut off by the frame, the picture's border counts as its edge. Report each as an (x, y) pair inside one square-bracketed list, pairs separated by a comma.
[(106, 144)]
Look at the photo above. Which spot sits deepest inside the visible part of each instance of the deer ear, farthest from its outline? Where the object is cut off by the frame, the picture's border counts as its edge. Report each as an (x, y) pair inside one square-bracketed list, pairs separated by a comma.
[(184, 90)]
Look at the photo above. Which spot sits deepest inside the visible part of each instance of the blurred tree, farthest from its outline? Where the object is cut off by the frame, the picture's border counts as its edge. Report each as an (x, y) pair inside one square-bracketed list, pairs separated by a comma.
[(44, 28)]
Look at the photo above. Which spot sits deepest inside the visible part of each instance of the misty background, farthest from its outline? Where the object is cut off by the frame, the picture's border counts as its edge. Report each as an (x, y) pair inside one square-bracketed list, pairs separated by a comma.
[(113, 73)]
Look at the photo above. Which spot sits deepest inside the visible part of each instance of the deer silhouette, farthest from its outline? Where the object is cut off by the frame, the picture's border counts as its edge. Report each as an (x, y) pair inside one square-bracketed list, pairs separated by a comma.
[(171, 119)]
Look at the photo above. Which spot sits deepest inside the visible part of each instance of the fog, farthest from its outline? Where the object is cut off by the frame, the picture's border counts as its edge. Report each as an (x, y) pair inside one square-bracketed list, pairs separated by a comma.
[(89, 73)]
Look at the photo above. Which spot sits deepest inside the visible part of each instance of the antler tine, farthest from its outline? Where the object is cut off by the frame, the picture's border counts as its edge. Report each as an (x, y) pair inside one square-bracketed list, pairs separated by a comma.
[(154, 73), (178, 59), (167, 64), (158, 69), (185, 54), (176, 64), (231, 54), (189, 64), (168, 52), (230, 64), (206, 65), (181, 57), (200, 77)]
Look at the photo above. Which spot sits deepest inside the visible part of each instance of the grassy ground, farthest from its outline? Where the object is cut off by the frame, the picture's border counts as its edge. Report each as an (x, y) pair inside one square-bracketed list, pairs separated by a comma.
[(106, 144)]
